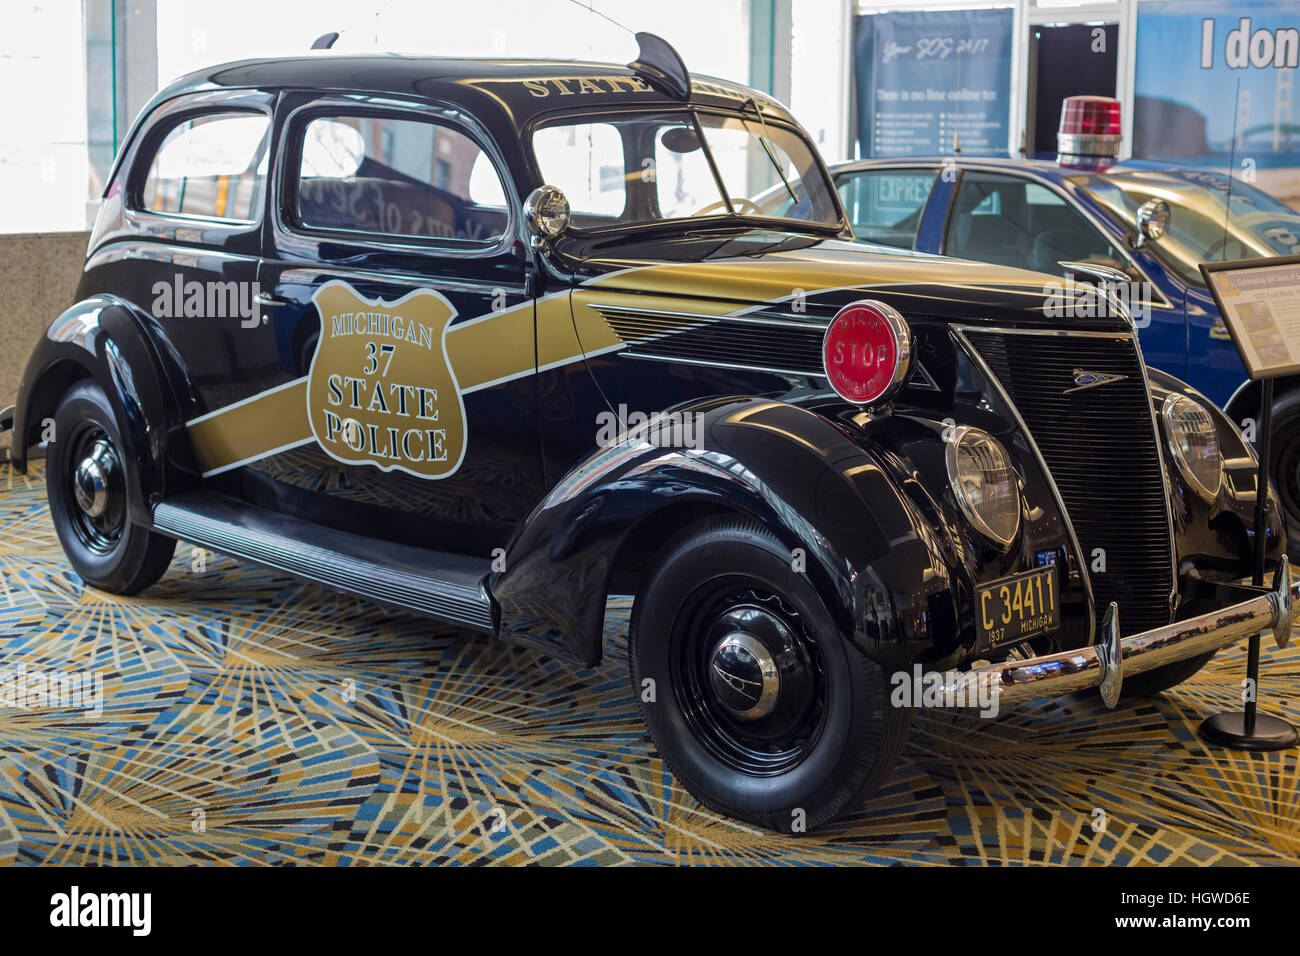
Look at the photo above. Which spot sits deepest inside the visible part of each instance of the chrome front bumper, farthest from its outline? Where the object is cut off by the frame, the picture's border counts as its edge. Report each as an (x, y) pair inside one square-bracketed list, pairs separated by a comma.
[(1105, 663)]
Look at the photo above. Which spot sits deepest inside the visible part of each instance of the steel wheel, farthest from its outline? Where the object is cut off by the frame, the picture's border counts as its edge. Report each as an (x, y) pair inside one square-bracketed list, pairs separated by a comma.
[(90, 479), (750, 677), (756, 699), (95, 488)]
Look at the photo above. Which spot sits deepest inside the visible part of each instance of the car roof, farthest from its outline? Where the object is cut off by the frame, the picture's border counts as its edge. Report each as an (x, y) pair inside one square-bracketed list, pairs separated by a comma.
[(1048, 168), (500, 86)]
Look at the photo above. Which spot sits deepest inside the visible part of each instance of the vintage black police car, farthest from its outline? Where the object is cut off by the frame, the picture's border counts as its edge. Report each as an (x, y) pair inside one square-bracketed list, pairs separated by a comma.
[(492, 340)]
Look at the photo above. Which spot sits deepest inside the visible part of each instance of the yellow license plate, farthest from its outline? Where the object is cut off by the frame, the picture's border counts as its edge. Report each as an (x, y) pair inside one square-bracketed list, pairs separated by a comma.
[(1017, 607)]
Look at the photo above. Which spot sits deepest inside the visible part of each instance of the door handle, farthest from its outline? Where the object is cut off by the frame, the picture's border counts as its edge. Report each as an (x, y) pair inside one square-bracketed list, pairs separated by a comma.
[(1220, 331), (265, 298)]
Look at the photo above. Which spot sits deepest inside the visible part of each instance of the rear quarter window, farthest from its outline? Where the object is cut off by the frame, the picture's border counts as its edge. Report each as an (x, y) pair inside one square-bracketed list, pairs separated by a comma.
[(211, 166)]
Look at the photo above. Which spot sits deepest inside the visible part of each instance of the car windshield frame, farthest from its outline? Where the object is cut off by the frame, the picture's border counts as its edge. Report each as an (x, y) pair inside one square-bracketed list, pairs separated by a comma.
[(691, 113)]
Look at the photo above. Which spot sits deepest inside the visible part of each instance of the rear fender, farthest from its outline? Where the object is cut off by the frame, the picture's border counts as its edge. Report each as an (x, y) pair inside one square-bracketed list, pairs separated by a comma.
[(103, 339)]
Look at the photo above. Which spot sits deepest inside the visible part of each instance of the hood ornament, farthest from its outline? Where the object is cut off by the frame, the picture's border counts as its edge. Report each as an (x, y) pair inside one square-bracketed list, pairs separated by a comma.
[(1084, 379)]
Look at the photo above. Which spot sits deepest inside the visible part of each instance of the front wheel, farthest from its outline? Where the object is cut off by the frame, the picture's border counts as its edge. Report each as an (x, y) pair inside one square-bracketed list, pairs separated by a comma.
[(759, 705), (87, 480)]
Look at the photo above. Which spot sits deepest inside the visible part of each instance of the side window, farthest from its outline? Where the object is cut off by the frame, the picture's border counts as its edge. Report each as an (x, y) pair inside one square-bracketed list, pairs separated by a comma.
[(212, 166), (886, 205), (1014, 222), (397, 177)]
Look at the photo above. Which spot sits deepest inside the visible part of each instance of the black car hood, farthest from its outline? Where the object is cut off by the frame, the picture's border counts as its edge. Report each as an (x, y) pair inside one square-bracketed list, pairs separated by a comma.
[(782, 271)]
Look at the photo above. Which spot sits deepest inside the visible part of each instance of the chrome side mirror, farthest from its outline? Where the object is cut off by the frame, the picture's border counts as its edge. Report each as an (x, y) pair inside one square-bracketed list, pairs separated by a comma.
[(1152, 221), (546, 212)]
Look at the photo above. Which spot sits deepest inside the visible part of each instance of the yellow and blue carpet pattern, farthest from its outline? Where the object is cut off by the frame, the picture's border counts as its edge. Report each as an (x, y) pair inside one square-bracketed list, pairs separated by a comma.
[(249, 718)]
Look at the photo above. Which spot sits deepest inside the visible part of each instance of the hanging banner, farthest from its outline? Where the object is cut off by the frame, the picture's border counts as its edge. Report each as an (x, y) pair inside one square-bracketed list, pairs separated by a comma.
[(1215, 88), (923, 79)]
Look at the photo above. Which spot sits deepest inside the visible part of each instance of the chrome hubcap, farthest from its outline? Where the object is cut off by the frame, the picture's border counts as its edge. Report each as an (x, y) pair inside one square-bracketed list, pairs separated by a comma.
[(92, 479), (744, 676), (749, 676), (94, 497)]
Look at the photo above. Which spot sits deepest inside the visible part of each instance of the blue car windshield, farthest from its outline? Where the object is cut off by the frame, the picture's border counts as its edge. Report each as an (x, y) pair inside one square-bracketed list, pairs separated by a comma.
[(1204, 225)]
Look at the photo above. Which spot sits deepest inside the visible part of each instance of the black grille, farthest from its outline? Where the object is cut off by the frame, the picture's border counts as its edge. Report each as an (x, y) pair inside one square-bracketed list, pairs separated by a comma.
[(785, 346), (1101, 450)]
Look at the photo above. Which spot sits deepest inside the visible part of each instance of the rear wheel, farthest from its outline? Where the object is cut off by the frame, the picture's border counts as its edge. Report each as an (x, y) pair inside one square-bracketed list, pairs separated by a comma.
[(759, 705), (87, 480)]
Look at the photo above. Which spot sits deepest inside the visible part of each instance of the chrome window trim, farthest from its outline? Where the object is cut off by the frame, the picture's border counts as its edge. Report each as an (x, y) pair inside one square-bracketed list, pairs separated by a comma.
[(735, 110), (314, 272), (171, 113), (149, 215), (449, 116)]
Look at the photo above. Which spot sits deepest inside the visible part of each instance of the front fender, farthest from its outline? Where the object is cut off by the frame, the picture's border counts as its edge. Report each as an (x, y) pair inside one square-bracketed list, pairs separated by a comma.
[(1216, 539), (102, 339), (877, 562)]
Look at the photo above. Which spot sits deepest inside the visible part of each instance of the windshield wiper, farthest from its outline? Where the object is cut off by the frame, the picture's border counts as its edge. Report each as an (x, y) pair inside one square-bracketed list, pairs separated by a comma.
[(764, 142)]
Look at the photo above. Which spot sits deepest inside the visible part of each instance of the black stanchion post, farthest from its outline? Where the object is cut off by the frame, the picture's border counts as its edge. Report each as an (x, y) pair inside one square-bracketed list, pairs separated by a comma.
[(1248, 730)]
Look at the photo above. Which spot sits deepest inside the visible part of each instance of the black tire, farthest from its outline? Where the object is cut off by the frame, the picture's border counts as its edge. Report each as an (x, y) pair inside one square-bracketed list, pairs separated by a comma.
[(830, 736), (1153, 682), (1284, 458), (109, 550)]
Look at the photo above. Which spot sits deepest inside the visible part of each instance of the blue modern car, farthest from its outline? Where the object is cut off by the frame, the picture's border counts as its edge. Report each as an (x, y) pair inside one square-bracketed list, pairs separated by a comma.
[(1152, 221)]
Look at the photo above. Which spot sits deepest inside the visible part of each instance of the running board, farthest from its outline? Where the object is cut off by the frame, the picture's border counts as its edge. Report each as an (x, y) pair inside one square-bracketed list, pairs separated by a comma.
[(449, 587)]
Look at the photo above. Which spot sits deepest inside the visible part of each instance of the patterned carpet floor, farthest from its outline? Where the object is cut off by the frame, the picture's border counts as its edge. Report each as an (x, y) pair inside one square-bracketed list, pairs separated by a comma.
[(250, 718)]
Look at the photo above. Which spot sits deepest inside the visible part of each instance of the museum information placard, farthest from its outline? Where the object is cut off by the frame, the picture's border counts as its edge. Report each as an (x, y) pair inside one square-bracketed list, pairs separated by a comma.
[(1259, 300)]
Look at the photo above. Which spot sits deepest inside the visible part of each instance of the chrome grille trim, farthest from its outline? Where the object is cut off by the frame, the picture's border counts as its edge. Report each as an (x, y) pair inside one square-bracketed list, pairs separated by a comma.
[(1128, 339), (959, 332)]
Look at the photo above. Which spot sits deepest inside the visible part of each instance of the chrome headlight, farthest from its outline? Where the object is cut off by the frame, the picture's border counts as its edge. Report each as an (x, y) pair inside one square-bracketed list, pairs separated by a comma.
[(985, 484), (1194, 444)]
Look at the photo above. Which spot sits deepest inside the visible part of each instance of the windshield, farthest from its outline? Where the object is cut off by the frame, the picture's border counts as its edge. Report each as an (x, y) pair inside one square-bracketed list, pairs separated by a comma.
[(681, 165), (1256, 224)]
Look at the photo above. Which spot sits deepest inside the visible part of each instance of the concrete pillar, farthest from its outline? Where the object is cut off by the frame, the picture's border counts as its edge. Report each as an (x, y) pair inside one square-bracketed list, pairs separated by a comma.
[(137, 47), (771, 26)]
